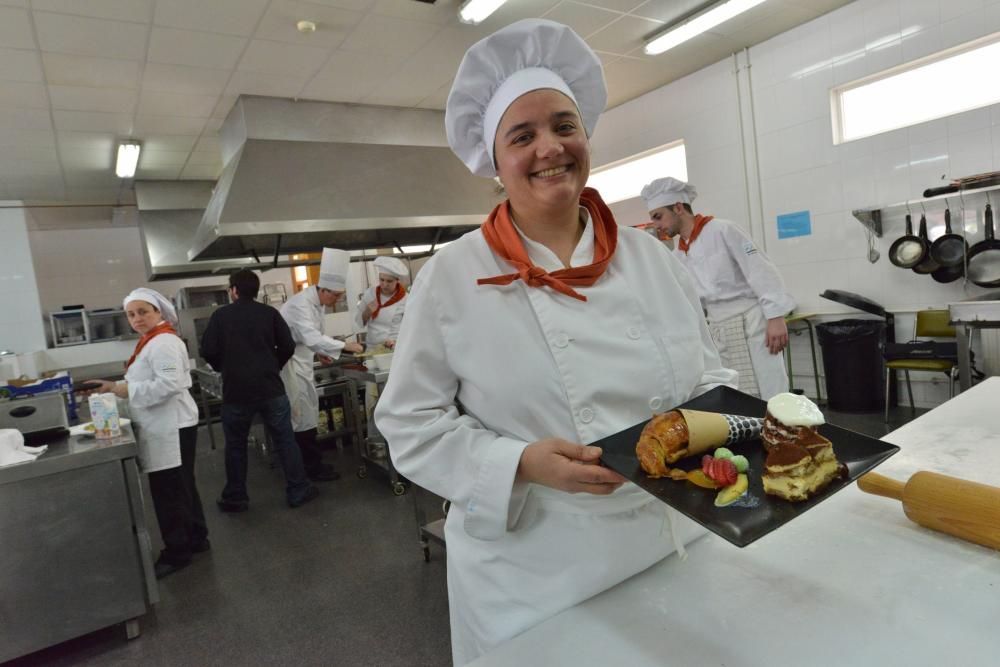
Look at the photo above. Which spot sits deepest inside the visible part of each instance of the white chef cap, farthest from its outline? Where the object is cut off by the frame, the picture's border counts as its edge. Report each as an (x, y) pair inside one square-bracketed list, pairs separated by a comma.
[(667, 192), (333, 269), (392, 266), (527, 55), (151, 296)]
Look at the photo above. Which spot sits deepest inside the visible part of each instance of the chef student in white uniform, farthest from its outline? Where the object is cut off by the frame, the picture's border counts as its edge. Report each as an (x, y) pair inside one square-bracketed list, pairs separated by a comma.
[(156, 384), (532, 336), (380, 310), (741, 290), (304, 314)]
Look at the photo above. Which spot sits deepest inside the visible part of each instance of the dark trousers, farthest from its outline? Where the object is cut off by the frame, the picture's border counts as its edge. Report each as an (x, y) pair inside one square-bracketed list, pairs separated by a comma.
[(276, 414), (312, 457), (177, 504)]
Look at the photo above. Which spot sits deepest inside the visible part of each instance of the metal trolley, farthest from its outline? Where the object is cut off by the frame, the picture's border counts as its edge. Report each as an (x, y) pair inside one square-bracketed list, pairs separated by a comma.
[(375, 451), (428, 531)]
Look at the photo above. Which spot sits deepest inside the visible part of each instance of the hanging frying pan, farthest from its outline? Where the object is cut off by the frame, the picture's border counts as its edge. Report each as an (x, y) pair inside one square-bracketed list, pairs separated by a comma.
[(909, 250), (984, 257), (927, 264), (949, 249), (948, 274)]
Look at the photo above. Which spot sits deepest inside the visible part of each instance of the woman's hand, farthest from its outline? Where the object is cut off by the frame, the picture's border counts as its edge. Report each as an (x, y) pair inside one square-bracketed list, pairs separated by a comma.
[(389, 343), (776, 336), (354, 348), (567, 466)]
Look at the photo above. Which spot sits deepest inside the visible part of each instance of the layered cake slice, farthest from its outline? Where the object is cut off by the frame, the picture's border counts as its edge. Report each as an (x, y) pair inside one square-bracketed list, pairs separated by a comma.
[(800, 462)]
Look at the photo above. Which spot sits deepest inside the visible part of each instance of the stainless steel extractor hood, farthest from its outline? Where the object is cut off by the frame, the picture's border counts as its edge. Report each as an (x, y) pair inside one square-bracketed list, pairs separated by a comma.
[(303, 175), (168, 217)]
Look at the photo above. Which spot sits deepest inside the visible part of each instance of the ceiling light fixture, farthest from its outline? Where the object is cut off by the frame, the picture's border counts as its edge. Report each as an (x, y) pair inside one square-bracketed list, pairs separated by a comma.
[(475, 12), (682, 32), (306, 27), (128, 158)]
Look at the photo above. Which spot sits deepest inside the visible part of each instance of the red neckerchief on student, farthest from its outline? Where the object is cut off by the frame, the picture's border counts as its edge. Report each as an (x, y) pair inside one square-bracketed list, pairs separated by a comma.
[(699, 224), (503, 239), (396, 297), (161, 328)]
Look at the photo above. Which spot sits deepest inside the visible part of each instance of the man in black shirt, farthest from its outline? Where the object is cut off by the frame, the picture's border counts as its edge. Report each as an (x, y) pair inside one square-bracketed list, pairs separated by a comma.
[(249, 342)]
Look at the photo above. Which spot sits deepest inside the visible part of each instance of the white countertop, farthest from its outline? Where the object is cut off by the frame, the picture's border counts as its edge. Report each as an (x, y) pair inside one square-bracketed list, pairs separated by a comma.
[(851, 582)]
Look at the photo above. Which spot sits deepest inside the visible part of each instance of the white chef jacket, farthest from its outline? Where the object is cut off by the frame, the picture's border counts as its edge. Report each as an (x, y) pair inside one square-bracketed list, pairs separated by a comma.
[(483, 371), (304, 315), (733, 278), (386, 325), (159, 401)]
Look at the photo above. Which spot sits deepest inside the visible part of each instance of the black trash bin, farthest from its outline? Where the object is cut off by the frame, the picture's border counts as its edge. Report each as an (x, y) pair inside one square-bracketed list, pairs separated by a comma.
[(852, 355)]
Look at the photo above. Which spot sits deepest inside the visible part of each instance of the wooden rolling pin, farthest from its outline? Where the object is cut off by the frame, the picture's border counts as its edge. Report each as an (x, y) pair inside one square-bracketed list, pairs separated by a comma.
[(967, 510)]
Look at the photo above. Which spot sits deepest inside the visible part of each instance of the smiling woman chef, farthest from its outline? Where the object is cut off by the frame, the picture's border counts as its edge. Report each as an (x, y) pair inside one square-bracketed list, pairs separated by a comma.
[(548, 327)]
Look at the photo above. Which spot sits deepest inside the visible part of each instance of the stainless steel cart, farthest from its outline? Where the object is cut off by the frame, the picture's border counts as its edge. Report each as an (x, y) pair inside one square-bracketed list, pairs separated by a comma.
[(375, 451), (428, 531)]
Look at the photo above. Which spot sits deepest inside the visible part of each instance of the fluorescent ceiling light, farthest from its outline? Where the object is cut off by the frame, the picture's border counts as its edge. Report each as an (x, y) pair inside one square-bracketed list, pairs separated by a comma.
[(128, 159), (624, 179), (477, 11), (679, 34)]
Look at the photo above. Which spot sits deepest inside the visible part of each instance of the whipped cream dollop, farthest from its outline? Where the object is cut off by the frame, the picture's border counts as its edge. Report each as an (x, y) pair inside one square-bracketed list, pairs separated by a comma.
[(795, 410)]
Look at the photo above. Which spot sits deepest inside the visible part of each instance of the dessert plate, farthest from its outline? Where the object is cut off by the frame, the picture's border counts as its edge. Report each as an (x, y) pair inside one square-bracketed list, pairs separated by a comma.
[(756, 514)]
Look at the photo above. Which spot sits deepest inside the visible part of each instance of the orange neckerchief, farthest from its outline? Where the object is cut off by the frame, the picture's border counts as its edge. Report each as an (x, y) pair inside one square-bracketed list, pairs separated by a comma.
[(396, 297), (699, 224), (161, 328), (503, 239)]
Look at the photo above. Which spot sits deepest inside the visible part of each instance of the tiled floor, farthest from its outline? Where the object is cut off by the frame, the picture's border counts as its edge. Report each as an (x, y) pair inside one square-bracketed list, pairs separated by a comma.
[(340, 581)]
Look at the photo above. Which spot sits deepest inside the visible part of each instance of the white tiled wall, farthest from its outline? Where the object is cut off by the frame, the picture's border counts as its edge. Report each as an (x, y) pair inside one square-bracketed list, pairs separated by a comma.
[(801, 169), (98, 267), (20, 315)]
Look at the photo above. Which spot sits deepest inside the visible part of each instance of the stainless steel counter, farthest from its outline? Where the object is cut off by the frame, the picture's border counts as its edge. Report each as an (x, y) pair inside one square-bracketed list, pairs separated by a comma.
[(76, 553)]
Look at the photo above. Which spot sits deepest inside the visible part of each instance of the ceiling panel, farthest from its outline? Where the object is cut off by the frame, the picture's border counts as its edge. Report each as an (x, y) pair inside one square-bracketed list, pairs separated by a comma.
[(30, 95), (208, 144), (94, 142), (156, 159), (15, 28), (441, 12), (82, 98), (624, 35), (88, 159), (388, 35), (167, 173), (93, 121), (61, 33), (437, 99), (584, 19), (152, 102), (201, 172), (281, 58), (169, 143), (355, 5), (197, 49), (261, 83), (150, 124), (85, 71), (332, 24), (138, 11), (617, 5), (670, 11), (211, 158), (348, 76), (184, 79), (16, 118), (22, 66), (229, 17)]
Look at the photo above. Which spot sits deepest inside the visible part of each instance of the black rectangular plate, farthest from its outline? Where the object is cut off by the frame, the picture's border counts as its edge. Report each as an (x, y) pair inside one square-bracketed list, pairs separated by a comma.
[(738, 523)]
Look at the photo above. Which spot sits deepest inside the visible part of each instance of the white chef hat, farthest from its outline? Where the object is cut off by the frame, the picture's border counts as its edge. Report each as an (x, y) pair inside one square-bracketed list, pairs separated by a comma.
[(527, 55), (161, 302), (333, 269), (392, 266), (667, 192)]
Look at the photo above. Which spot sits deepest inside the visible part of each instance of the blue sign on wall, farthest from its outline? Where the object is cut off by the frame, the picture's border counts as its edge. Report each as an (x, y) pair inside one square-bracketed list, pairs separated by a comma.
[(794, 224)]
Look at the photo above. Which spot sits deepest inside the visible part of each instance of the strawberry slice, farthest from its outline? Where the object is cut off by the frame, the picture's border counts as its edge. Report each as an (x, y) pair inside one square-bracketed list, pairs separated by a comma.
[(721, 471)]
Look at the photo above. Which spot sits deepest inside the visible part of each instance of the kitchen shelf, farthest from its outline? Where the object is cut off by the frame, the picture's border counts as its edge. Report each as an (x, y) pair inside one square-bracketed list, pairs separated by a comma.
[(879, 218)]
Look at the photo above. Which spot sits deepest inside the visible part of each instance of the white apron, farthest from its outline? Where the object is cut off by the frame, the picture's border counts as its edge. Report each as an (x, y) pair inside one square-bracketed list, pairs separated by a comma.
[(742, 343), (159, 401), (304, 315), (457, 413)]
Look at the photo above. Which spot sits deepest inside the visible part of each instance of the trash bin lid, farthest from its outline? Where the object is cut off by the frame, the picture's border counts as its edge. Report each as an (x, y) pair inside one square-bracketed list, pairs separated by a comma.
[(854, 301)]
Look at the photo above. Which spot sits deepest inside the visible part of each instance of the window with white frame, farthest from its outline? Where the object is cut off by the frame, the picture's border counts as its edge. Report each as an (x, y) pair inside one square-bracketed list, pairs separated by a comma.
[(624, 179), (950, 82)]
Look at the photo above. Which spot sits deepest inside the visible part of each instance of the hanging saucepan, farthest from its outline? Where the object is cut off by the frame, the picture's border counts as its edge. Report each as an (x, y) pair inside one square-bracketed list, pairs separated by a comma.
[(927, 264), (984, 257), (909, 250), (949, 249)]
